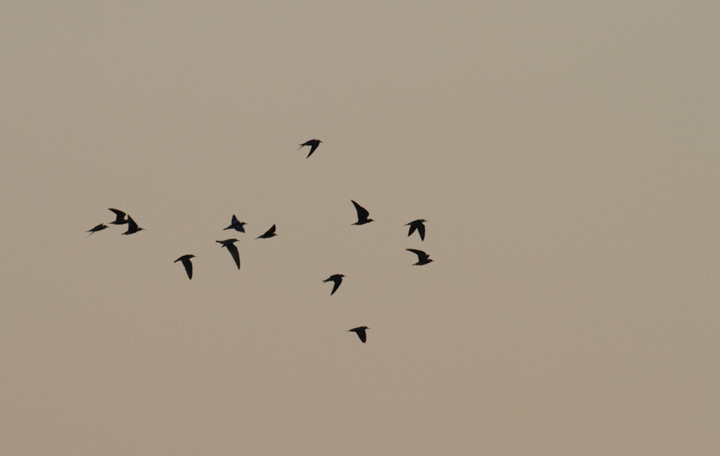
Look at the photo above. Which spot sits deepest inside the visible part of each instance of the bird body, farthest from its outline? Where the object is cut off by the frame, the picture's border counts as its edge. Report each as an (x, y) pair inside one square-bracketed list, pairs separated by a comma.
[(132, 226), (236, 225), (337, 279), (97, 228), (360, 331), (120, 217), (423, 258), (187, 263), (362, 214), (230, 245), (268, 234), (417, 225), (313, 143)]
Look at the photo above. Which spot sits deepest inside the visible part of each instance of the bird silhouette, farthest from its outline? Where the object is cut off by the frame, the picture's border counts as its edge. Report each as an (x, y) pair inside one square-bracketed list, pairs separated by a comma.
[(313, 143), (362, 214), (268, 234), (230, 245), (417, 225), (423, 258), (337, 279), (186, 262), (360, 330), (120, 217), (236, 225), (132, 226), (97, 228)]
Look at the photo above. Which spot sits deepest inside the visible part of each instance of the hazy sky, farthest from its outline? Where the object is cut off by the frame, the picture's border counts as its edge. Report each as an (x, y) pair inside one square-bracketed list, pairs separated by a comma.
[(564, 153)]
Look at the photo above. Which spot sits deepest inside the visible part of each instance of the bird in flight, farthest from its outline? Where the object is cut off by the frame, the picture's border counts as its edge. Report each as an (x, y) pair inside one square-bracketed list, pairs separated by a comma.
[(230, 245), (268, 234), (186, 262), (97, 228), (362, 214), (236, 225), (417, 225), (337, 279), (132, 226), (360, 330), (313, 143), (423, 258), (120, 217)]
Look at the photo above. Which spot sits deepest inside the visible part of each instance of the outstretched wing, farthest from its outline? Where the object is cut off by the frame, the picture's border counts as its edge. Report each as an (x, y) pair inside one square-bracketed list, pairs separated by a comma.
[(119, 215), (412, 229), (361, 334), (421, 230), (132, 226), (313, 146), (337, 281), (421, 255), (362, 213), (235, 254)]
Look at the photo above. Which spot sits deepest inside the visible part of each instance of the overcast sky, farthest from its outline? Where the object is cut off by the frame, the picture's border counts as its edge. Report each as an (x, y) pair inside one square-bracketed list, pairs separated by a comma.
[(565, 155)]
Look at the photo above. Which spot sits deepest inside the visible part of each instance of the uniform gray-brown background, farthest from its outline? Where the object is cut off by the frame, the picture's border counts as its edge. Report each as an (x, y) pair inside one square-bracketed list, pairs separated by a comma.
[(564, 153)]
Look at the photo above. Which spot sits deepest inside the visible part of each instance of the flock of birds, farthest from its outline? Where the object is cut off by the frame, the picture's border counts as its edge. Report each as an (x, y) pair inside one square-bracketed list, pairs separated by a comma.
[(122, 218)]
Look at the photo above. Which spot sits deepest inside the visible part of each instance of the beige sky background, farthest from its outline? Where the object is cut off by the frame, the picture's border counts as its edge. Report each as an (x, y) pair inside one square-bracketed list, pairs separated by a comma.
[(565, 155)]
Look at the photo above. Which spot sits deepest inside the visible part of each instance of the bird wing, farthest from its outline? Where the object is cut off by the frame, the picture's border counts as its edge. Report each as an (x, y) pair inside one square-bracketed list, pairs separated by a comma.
[(235, 221), (338, 281), (313, 146), (412, 229), (362, 213), (421, 255), (188, 267), (235, 254), (361, 334), (132, 226), (421, 230), (120, 215)]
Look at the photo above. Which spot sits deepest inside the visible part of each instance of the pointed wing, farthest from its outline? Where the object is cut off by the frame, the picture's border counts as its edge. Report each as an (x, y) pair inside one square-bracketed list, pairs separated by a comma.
[(313, 146), (119, 215), (421, 230), (338, 281), (421, 255), (412, 229), (132, 226), (361, 212), (235, 254), (188, 267), (361, 334)]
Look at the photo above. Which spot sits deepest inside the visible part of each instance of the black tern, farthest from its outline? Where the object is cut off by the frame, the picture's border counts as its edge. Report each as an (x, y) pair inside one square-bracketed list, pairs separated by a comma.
[(236, 225), (132, 226), (186, 262), (337, 279), (230, 245), (97, 228), (313, 143), (423, 258), (362, 214), (417, 225), (268, 234), (360, 330)]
